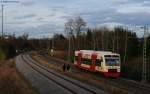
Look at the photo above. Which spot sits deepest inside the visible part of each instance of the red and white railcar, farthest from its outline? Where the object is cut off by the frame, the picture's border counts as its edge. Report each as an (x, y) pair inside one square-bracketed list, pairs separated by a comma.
[(105, 62)]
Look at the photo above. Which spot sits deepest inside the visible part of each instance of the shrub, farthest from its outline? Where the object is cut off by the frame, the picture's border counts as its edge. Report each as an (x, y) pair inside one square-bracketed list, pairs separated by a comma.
[(2, 55)]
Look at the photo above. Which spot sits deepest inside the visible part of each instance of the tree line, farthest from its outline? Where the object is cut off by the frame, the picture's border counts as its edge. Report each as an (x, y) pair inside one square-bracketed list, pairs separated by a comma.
[(119, 40)]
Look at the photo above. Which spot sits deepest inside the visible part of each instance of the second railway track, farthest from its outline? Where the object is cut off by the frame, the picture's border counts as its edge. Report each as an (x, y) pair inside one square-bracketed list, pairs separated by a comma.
[(127, 85)]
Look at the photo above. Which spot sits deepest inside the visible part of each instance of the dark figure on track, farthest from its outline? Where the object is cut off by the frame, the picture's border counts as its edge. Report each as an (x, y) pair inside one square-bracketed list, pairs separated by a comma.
[(68, 67), (64, 67)]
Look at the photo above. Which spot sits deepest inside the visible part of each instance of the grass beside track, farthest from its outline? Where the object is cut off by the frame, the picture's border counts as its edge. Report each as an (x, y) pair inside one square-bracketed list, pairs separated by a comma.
[(11, 81)]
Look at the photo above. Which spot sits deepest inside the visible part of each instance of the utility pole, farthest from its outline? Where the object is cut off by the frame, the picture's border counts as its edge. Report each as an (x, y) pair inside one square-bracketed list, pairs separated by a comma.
[(126, 40), (144, 77), (117, 40), (94, 43), (102, 39), (53, 43), (2, 20), (2, 5), (52, 47), (113, 40), (69, 50)]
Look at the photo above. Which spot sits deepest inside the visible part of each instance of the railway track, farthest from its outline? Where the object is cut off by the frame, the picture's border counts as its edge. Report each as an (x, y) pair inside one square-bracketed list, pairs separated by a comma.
[(74, 87), (139, 86), (124, 84)]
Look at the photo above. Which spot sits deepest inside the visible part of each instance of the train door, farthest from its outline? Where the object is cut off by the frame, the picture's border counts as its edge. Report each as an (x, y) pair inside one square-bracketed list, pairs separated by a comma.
[(94, 56), (79, 59)]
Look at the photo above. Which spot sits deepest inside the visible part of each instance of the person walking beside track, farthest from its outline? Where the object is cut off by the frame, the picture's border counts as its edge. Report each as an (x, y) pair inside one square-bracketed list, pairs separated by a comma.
[(64, 67), (68, 67)]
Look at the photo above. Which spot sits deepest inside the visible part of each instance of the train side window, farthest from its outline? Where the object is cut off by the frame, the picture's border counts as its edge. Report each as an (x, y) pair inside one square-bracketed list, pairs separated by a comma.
[(86, 61), (98, 62)]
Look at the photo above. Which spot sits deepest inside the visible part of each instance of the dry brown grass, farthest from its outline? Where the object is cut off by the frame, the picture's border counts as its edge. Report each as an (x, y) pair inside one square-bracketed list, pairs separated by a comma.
[(11, 82), (59, 54)]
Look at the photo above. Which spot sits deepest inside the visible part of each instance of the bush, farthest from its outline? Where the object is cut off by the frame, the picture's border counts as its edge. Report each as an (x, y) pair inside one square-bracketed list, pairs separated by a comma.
[(2, 55), (7, 50)]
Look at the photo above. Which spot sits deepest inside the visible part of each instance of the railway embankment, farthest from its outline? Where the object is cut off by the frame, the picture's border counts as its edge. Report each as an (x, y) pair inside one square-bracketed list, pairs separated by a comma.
[(84, 76), (11, 81)]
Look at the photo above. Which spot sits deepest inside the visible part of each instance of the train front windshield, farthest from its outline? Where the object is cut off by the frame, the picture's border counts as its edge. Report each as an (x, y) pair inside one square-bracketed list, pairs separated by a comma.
[(112, 62)]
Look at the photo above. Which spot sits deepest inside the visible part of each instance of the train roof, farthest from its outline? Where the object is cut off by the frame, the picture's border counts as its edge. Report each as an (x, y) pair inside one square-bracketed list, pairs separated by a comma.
[(97, 52)]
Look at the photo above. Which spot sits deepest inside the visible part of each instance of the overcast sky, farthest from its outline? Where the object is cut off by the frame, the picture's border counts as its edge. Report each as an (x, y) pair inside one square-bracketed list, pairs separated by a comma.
[(41, 18)]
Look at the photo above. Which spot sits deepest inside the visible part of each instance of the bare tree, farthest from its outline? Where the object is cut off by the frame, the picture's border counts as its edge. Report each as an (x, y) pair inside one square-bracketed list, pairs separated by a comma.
[(69, 27), (78, 25), (74, 27), (69, 32)]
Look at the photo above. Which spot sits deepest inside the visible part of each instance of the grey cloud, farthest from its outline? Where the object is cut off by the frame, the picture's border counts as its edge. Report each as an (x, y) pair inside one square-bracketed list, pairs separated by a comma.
[(41, 30), (147, 3), (27, 16), (28, 3), (16, 23), (40, 19), (135, 18), (122, 2), (99, 12)]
